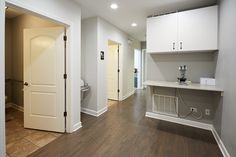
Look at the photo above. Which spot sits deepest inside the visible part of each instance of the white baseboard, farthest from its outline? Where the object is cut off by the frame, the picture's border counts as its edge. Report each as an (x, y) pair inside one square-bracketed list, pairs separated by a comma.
[(77, 127), (179, 121), (17, 107), (100, 112), (128, 95), (220, 143), (93, 112), (200, 125), (89, 111)]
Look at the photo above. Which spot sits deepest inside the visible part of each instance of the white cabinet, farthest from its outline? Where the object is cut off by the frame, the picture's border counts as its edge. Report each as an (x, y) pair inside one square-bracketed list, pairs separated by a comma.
[(162, 33), (188, 31), (197, 29)]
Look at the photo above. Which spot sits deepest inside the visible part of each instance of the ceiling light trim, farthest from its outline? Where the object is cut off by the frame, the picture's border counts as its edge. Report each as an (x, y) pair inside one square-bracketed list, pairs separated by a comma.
[(114, 6), (134, 24)]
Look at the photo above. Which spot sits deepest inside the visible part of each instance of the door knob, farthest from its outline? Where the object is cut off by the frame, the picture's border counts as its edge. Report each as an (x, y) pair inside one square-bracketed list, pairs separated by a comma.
[(26, 84)]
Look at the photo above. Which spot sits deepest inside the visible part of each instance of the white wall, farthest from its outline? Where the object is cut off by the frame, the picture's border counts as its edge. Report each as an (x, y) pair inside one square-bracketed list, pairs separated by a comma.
[(138, 66), (89, 61), (105, 32), (166, 66), (60, 10), (225, 74)]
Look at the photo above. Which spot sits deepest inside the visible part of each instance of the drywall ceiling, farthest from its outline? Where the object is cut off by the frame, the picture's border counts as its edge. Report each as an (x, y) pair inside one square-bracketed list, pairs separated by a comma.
[(11, 13), (130, 11)]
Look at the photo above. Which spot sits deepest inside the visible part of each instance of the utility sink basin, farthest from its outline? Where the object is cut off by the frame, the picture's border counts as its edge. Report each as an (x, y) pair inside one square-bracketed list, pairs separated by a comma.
[(83, 90)]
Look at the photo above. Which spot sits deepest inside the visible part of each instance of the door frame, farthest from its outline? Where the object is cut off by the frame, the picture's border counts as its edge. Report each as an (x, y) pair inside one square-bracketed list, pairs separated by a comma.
[(144, 67), (65, 23), (73, 60), (140, 67), (119, 67), (118, 71), (40, 13)]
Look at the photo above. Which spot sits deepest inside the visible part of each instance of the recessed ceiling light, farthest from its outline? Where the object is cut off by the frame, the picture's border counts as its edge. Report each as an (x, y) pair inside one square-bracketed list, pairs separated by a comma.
[(6, 7), (134, 24), (114, 6)]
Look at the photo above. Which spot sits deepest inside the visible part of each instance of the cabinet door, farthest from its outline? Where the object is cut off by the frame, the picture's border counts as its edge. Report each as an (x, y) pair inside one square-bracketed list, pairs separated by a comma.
[(198, 29), (162, 33)]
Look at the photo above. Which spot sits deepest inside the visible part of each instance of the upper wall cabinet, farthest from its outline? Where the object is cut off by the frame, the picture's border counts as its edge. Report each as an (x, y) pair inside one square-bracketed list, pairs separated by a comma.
[(162, 33), (188, 31)]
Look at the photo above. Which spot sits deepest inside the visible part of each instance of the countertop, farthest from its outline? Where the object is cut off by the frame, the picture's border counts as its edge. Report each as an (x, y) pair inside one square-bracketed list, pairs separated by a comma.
[(192, 86)]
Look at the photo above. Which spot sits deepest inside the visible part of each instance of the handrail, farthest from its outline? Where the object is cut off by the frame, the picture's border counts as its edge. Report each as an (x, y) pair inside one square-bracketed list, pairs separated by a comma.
[(13, 80)]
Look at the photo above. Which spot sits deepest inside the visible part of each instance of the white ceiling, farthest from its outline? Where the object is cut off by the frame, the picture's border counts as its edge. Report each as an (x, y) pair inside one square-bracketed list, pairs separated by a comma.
[(130, 11)]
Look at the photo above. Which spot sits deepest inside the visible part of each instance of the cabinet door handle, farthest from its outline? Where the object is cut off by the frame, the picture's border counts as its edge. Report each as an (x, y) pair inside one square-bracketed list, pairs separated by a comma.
[(181, 45), (173, 46)]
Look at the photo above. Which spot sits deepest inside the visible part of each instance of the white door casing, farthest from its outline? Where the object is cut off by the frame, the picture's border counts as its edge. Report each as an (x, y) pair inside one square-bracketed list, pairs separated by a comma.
[(112, 73), (43, 71), (138, 66)]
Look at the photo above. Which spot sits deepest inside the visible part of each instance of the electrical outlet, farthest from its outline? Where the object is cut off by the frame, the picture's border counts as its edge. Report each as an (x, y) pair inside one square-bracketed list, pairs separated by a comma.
[(207, 112), (193, 109)]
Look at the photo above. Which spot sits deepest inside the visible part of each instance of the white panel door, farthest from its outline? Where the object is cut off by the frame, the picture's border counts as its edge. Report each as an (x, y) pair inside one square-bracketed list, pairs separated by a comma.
[(43, 72), (112, 74), (162, 33), (198, 29)]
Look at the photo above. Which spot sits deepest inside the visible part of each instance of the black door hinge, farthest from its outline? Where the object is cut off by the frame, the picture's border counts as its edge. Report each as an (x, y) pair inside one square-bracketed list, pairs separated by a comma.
[(118, 91), (118, 70), (65, 38), (65, 114), (65, 76)]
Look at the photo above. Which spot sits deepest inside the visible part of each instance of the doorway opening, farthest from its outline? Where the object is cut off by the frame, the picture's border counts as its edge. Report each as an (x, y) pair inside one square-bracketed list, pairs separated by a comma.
[(34, 83), (138, 69), (113, 72)]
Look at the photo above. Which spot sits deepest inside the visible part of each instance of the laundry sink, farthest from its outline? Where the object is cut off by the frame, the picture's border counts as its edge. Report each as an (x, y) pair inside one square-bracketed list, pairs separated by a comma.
[(83, 90)]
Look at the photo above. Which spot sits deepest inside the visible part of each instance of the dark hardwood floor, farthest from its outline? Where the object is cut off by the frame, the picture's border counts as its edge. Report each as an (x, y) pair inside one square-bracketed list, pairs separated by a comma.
[(124, 131)]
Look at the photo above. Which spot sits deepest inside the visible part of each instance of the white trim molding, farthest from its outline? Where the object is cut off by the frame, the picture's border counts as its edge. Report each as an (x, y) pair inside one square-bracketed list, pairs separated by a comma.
[(179, 121), (220, 143), (195, 124), (89, 112), (93, 112), (128, 95), (38, 12), (77, 126), (100, 112)]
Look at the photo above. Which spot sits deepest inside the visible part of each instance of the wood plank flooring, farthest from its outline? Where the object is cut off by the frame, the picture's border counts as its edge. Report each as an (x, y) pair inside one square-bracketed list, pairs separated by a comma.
[(124, 131)]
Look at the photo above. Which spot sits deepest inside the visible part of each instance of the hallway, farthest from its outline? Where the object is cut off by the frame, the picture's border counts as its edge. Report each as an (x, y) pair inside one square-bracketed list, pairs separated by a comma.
[(124, 131)]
